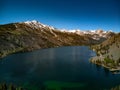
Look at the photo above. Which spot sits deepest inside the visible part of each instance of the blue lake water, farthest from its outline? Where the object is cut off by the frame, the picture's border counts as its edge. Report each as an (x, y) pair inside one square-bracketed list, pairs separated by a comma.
[(63, 64)]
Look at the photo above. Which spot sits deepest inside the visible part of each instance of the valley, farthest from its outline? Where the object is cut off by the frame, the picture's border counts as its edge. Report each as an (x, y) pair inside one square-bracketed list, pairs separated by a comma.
[(32, 35), (38, 41)]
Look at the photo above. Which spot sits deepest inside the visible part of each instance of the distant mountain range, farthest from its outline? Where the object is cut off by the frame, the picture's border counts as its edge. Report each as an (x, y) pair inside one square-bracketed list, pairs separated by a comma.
[(31, 35)]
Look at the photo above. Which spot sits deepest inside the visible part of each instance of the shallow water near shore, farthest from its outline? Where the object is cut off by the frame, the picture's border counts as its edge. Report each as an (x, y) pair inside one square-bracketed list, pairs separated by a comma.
[(56, 68)]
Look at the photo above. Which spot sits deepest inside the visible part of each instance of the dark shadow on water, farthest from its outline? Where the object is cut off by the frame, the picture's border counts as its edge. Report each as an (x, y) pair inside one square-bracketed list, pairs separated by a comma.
[(107, 72), (98, 67)]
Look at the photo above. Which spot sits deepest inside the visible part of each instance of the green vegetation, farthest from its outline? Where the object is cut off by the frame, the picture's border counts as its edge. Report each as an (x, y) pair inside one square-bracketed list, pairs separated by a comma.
[(108, 60), (55, 85), (48, 85)]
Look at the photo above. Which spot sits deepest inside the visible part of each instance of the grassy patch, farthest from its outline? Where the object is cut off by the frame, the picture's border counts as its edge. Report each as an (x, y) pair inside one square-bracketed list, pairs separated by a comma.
[(108, 60)]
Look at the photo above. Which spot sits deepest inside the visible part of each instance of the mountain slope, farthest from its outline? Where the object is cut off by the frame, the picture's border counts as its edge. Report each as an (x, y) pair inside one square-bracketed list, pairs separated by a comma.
[(31, 35), (108, 53)]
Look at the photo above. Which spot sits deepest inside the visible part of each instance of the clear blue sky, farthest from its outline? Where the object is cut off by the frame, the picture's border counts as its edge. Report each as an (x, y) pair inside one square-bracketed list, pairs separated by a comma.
[(68, 14)]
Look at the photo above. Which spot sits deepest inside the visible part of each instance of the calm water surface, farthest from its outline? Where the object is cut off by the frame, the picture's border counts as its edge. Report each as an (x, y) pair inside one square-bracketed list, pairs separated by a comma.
[(64, 64)]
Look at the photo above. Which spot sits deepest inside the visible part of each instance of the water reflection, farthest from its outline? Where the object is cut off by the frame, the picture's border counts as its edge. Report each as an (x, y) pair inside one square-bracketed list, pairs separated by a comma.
[(98, 67), (107, 72), (70, 64), (40, 59)]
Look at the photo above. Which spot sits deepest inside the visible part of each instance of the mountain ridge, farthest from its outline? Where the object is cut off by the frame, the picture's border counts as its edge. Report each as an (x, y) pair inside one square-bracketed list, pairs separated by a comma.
[(31, 35)]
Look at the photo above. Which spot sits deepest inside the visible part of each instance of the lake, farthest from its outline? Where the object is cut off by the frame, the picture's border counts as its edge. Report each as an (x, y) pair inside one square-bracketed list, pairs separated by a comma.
[(63, 68)]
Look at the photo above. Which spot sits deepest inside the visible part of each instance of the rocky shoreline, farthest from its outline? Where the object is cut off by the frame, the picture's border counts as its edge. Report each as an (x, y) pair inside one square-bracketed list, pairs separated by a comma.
[(115, 70), (108, 54)]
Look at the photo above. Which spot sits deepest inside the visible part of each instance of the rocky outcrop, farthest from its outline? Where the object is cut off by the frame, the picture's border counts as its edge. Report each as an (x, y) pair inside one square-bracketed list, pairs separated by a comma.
[(108, 54)]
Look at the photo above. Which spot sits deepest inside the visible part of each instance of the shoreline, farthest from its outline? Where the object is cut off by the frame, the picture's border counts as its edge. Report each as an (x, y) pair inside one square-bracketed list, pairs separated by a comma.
[(111, 69), (23, 50)]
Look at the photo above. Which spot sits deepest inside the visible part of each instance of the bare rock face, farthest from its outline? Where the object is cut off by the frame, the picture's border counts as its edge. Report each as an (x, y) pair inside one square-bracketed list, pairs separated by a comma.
[(99, 31)]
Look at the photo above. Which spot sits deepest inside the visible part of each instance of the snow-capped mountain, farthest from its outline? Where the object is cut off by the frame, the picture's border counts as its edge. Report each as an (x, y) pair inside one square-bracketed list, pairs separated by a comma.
[(31, 35), (37, 25), (95, 34)]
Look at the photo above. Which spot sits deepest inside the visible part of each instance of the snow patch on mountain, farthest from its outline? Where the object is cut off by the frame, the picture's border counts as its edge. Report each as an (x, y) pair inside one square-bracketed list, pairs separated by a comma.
[(35, 24), (95, 34)]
